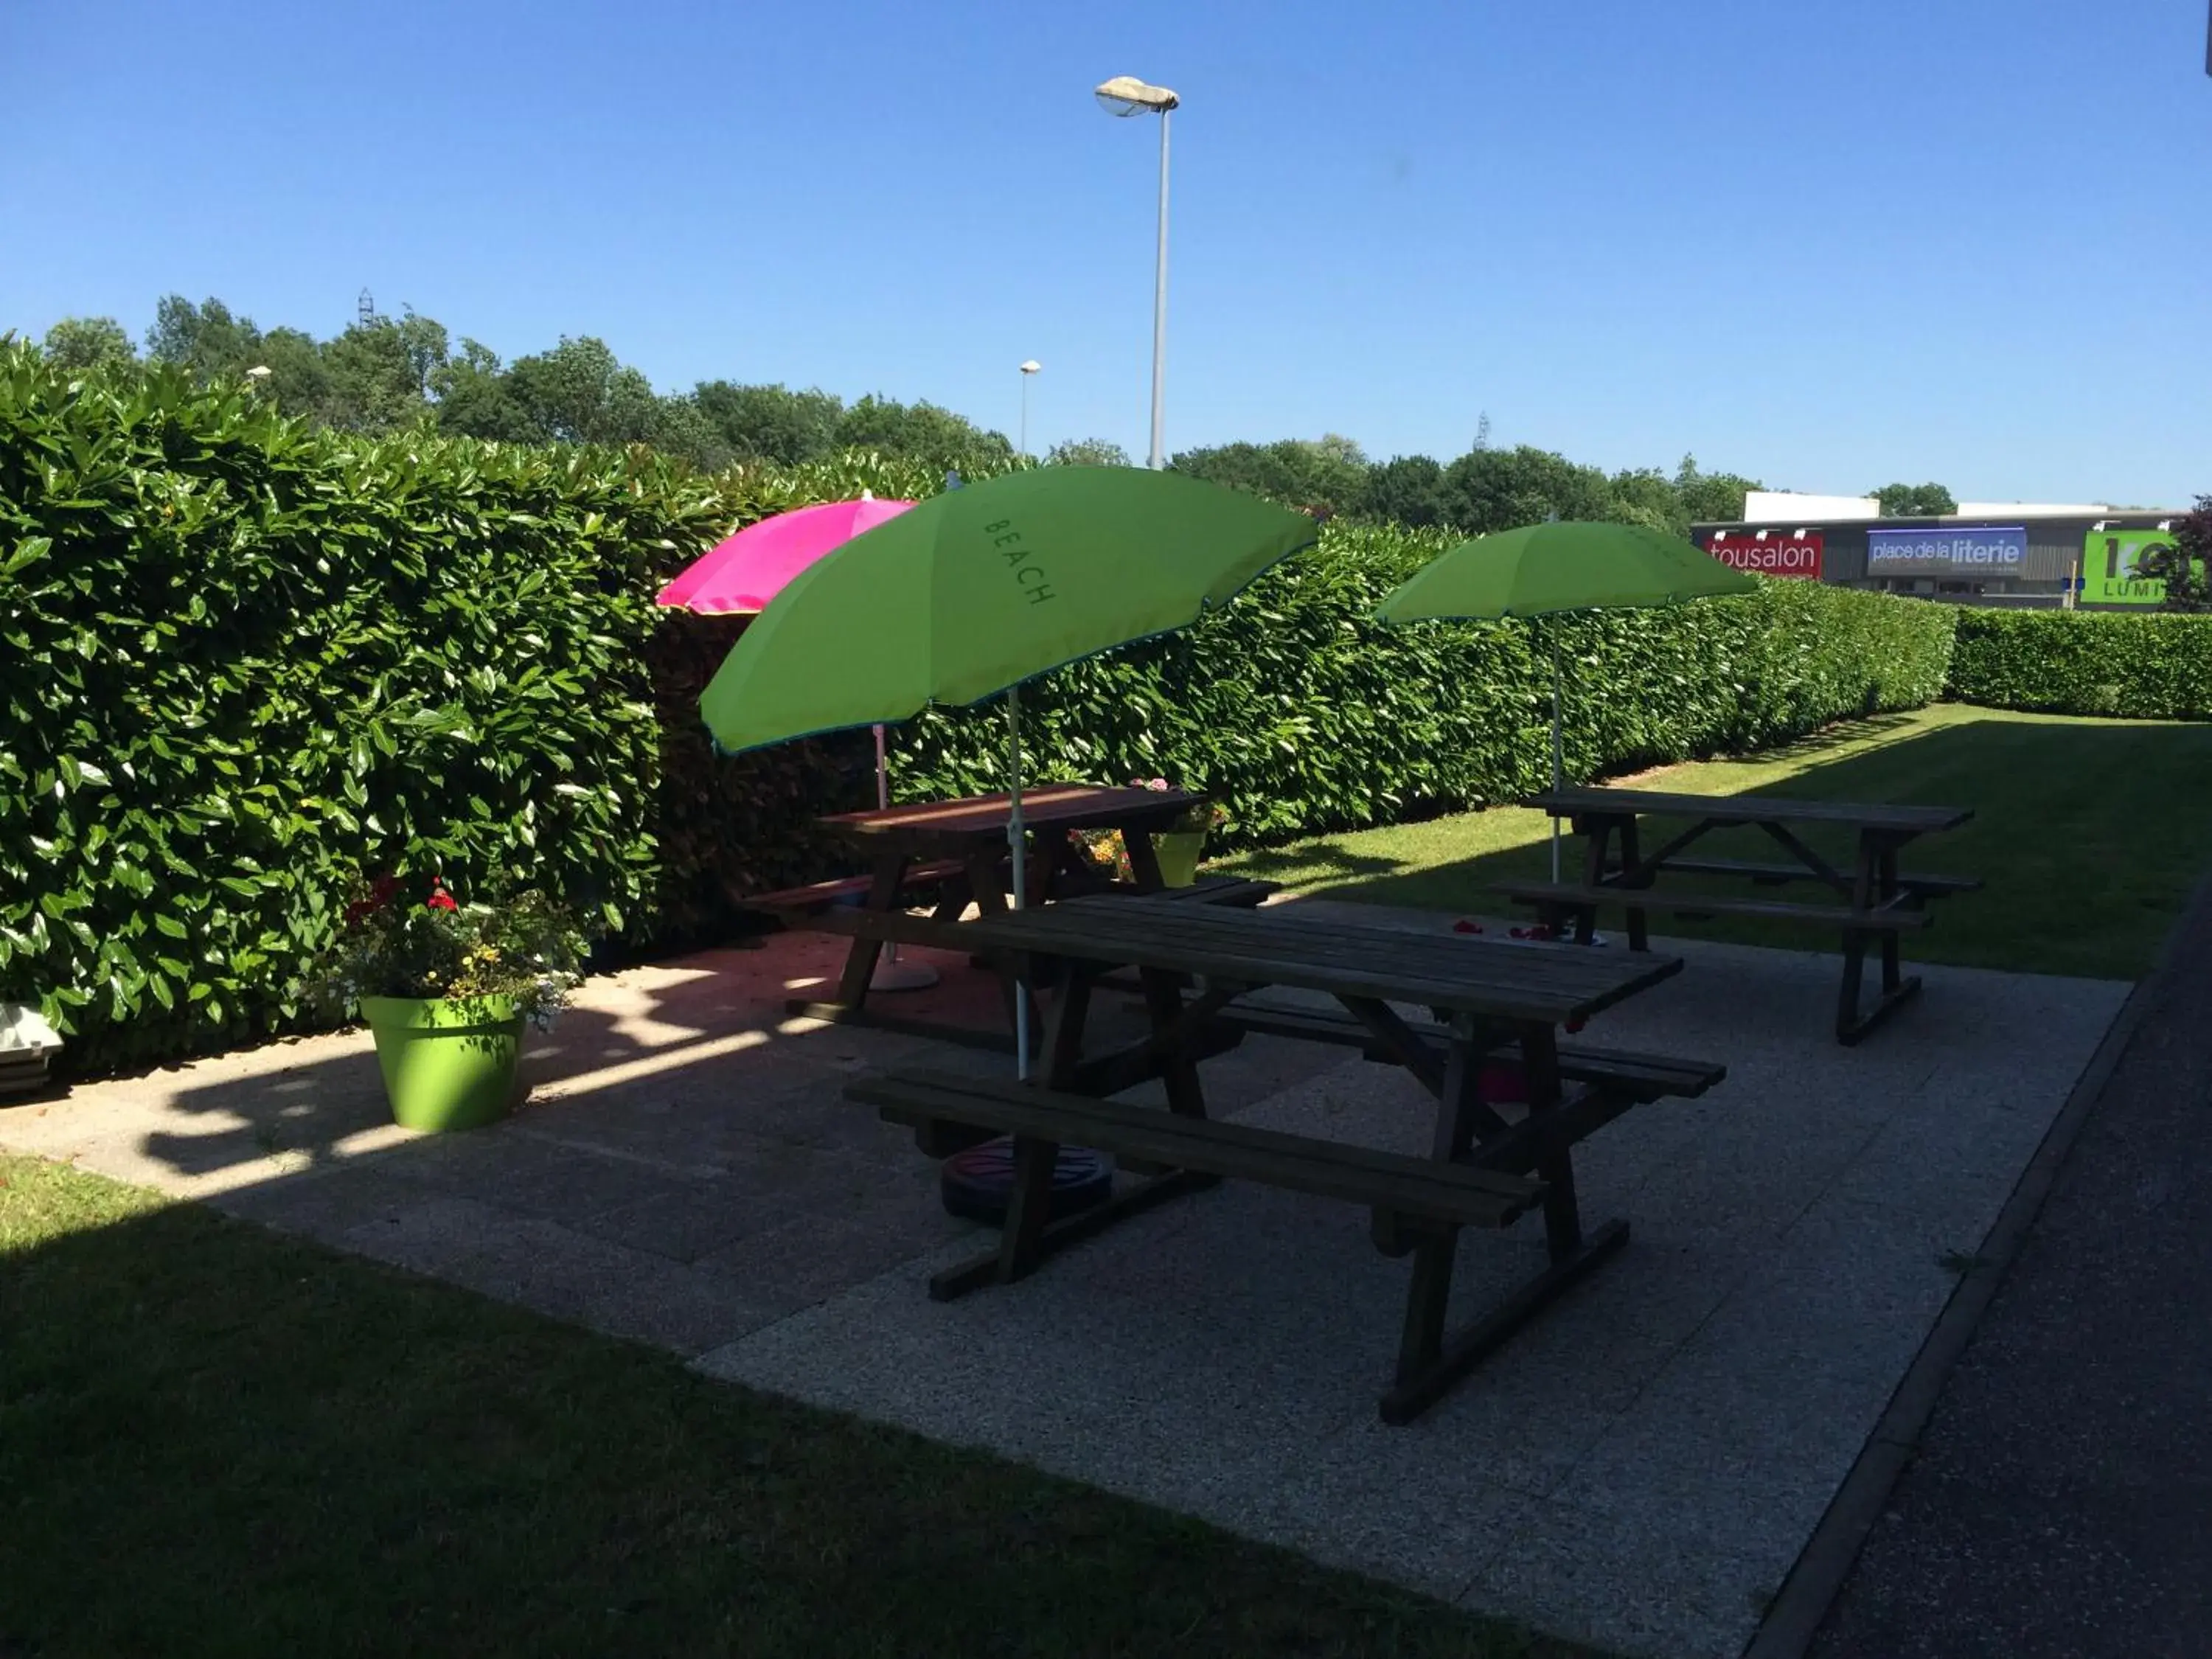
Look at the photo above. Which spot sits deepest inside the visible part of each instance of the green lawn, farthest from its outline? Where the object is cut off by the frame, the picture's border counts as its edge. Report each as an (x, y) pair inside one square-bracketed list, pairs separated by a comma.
[(215, 1440), (2088, 833)]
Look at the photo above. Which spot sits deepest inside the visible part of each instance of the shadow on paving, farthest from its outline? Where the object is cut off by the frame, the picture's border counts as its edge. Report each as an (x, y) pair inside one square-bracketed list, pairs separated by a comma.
[(2060, 1503), (2086, 835), (686, 1168), (217, 1440)]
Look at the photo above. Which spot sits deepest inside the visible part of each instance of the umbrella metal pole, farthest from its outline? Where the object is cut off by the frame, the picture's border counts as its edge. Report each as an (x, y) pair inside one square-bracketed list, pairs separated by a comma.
[(1017, 846)]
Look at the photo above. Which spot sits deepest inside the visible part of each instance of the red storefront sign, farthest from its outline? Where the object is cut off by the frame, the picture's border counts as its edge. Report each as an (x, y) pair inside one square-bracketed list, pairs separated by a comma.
[(1776, 555)]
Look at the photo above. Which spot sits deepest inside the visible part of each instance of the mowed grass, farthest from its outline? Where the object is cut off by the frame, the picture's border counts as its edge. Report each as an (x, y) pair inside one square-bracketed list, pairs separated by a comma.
[(215, 1440), (2087, 834)]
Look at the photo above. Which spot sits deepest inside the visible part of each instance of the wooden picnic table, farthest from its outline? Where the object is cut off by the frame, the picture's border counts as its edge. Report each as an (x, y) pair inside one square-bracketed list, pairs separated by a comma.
[(1879, 901), (960, 846), (1483, 1167)]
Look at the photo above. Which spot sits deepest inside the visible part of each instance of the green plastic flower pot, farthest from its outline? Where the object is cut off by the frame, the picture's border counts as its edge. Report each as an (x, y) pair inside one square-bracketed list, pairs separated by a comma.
[(448, 1063), (1178, 851)]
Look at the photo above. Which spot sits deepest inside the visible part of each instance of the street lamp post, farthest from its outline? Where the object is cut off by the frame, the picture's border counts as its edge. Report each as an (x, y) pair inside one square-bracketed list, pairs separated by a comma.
[(1125, 95), (1028, 369)]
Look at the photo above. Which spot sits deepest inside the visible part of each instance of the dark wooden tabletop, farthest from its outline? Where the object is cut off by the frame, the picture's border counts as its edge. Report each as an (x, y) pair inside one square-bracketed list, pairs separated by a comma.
[(1049, 806), (1552, 983), (1753, 809)]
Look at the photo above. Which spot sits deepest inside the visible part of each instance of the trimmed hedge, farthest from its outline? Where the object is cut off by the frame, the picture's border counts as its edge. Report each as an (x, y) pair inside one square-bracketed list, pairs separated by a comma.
[(241, 662), (1302, 715), (2154, 666)]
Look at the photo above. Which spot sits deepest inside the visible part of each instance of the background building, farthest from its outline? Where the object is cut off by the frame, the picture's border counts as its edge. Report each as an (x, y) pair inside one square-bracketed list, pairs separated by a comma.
[(1987, 553)]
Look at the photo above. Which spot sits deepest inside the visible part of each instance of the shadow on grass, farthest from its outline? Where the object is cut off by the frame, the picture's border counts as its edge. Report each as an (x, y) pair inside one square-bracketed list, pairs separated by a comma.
[(2087, 838), (219, 1441)]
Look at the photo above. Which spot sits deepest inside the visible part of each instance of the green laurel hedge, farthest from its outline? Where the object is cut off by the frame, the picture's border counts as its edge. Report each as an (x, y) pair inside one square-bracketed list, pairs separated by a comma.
[(241, 662), (2153, 666), (1300, 715)]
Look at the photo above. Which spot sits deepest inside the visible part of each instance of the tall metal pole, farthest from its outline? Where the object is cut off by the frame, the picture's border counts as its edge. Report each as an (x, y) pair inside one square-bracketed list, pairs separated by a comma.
[(1160, 310), (1023, 447)]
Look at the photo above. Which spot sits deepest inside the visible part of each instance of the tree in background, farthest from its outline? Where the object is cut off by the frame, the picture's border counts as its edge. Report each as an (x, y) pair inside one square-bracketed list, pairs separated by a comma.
[(771, 423), (1489, 489), (474, 398), (1326, 474), (1928, 500), (1087, 452), (1405, 489), (1710, 497), (205, 338), (81, 342), (380, 373), (923, 432)]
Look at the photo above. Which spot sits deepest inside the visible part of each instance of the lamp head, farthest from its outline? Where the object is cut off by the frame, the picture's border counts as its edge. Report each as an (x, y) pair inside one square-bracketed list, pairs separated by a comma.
[(1124, 95)]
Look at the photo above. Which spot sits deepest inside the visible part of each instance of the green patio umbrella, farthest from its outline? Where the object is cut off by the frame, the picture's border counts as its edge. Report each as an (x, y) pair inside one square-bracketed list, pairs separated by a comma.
[(982, 588), (1541, 569)]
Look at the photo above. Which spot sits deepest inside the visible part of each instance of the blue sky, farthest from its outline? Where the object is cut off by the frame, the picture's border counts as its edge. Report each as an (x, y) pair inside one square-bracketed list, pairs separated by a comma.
[(1827, 246)]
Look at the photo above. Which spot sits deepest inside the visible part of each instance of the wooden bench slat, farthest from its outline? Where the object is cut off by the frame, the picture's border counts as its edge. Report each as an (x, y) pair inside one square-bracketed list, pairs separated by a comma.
[(1417, 1187), (829, 893), (1643, 1076), (1652, 898), (1763, 873), (1751, 809)]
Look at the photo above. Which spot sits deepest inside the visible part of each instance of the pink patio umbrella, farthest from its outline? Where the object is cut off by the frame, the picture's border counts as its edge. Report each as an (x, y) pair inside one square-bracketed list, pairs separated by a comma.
[(740, 575)]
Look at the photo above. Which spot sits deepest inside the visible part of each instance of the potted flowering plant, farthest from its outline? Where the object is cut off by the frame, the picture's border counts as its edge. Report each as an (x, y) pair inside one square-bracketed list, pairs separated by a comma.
[(445, 987), (1178, 848)]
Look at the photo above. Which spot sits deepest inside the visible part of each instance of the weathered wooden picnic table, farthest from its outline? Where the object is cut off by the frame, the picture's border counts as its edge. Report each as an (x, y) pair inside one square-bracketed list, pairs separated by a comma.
[(1879, 901), (958, 848), (1488, 1163)]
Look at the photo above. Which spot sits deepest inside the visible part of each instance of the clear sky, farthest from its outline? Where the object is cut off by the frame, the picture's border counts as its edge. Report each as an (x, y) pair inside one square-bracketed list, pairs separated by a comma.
[(1829, 246)]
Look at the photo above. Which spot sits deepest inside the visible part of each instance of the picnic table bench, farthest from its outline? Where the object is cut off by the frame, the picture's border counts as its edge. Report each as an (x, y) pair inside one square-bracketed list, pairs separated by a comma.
[(1878, 902), (1484, 1169), (957, 849)]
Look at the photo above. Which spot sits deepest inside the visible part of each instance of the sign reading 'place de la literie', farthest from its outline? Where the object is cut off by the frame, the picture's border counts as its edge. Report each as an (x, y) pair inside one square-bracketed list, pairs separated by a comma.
[(1772, 554), (1948, 550)]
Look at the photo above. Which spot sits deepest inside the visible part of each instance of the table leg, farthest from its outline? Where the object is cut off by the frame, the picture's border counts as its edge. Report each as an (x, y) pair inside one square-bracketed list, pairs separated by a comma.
[(1064, 1025), (1632, 865), (860, 960), (1431, 1358), (990, 899), (1874, 886), (1886, 878), (1143, 860)]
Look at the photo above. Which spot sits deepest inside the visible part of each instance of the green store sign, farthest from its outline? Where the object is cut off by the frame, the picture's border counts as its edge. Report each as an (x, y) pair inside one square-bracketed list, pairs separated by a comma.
[(2109, 558)]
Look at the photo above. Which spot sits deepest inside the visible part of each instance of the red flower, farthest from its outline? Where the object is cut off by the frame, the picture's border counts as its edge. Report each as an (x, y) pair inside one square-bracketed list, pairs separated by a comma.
[(439, 899)]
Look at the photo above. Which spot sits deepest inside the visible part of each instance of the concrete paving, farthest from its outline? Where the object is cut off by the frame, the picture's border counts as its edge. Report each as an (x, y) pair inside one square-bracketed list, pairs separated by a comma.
[(1641, 1467), (1638, 1469)]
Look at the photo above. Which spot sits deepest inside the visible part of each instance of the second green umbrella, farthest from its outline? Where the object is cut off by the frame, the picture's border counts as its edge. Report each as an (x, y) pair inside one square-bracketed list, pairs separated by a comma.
[(1541, 569)]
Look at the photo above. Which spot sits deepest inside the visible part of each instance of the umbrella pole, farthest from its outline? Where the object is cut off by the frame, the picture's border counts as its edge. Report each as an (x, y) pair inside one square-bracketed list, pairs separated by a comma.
[(1558, 780), (1017, 846)]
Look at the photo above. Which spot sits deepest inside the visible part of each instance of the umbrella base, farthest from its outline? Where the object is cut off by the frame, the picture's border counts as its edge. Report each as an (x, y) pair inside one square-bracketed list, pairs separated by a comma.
[(902, 976), (978, 1184)]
